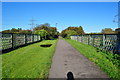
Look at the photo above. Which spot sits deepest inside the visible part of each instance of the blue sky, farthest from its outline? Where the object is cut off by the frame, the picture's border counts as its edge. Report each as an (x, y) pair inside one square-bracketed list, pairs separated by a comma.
[(92, 16), (60, 0)]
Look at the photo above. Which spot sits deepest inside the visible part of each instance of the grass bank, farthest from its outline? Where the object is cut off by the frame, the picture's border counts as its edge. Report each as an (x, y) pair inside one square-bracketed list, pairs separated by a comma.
[(106, 61), (31, 61)]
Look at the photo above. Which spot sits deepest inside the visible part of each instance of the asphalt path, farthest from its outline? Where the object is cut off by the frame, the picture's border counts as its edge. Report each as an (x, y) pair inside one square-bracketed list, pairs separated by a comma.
[(68, 59)]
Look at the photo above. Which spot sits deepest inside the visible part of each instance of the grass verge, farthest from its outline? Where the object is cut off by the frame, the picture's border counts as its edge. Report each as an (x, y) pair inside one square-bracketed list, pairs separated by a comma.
[(31, 61), (106, 61)]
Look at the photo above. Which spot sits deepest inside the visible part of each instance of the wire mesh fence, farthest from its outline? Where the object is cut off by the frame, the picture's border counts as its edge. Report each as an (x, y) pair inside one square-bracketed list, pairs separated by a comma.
[(108, 42), (13, 40)]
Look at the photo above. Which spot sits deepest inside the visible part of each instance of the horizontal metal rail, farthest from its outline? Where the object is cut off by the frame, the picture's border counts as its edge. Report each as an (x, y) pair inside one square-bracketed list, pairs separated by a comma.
[(108, 42), (13, 40)]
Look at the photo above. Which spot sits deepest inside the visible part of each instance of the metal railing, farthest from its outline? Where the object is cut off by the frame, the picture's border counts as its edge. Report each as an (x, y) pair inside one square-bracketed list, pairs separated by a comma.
[(13, 40), (108, 42)]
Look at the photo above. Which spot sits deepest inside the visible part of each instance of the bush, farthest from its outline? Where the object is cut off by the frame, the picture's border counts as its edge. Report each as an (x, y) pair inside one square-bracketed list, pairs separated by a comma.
[(43, 33), (69, 33)]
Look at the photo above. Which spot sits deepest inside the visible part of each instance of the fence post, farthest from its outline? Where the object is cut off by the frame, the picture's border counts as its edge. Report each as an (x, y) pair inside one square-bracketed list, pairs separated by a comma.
[(93, 39), (81, 38), (88, 39), (118, 40), (13, 40), (25, 38), (77, 37), (103, 41), (32, 38), (37, 38)]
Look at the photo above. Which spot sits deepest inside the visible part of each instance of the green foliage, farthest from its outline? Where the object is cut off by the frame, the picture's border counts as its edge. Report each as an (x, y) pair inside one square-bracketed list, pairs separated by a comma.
[(19, 30), (52, 31), (79, 30), (43, 33), (70, 32), (107, 31), (108, 62), (31, 61)]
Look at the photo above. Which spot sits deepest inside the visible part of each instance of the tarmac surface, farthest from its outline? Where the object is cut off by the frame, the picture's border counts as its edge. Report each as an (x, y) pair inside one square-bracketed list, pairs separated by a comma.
[(68, 59)]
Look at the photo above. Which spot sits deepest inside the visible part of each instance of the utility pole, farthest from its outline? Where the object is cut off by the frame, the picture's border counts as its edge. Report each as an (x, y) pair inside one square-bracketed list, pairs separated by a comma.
[(32, 24)]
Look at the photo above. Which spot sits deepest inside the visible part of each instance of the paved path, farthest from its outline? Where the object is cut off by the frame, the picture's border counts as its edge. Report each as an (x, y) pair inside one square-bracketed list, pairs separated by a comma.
[(66, 59)]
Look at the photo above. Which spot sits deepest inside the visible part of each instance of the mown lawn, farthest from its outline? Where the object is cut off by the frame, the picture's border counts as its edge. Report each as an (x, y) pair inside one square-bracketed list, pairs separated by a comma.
[(31, 61), (106, 61)]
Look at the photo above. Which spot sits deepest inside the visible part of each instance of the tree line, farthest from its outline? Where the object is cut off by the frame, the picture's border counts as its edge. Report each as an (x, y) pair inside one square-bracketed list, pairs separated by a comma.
[(72, 31), (44, 30), (48, 32), (79, 31)]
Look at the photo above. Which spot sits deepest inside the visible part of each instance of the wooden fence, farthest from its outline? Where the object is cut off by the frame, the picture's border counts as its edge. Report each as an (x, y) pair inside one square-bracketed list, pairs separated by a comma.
[(13, 40), (107, 42)]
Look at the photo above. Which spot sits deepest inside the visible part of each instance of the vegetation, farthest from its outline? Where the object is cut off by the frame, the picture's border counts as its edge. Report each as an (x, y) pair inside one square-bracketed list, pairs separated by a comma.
[(43, 33), (52, 31), (76, 31), (108, 31), (19, 30), (108, 62), (69, 32), (31, 61)]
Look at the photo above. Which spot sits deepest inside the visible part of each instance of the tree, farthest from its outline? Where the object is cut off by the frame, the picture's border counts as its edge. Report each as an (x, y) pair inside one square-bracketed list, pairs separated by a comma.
[(69, 33), (43, 33), (107, 31), (19, 30), (79, 30), (52, 31), (25, 31)]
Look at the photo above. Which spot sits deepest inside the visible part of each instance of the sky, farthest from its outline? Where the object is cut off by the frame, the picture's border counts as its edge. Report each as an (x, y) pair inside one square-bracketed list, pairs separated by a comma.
[(60, 0), (92, 16)]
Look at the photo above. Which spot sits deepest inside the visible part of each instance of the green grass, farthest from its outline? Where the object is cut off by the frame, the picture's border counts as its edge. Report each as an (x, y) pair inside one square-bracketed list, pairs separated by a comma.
[(31, 61), (106, 61)]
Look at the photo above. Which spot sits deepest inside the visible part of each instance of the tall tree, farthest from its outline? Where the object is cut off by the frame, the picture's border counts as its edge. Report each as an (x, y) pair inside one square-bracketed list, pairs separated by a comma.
[(43, 33), (79, 30), (52, 31), (107, 31)]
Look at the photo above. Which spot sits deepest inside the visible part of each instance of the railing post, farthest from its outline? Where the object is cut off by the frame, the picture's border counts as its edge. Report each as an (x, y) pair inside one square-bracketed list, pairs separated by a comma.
[(88, 39), (25, 38), (13, 41), (32, 38), (93, 39), (81, 38), (118, 40), (103, 41), (37, 38), (77, 37)]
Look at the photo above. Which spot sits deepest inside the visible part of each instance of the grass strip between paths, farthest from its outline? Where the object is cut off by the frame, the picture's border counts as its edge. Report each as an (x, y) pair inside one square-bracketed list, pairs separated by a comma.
[(105, 61), (31, 61)]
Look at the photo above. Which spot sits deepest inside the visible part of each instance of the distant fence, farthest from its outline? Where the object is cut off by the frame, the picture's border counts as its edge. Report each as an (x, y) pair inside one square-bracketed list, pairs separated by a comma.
[(13, 40), (107, 42)]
